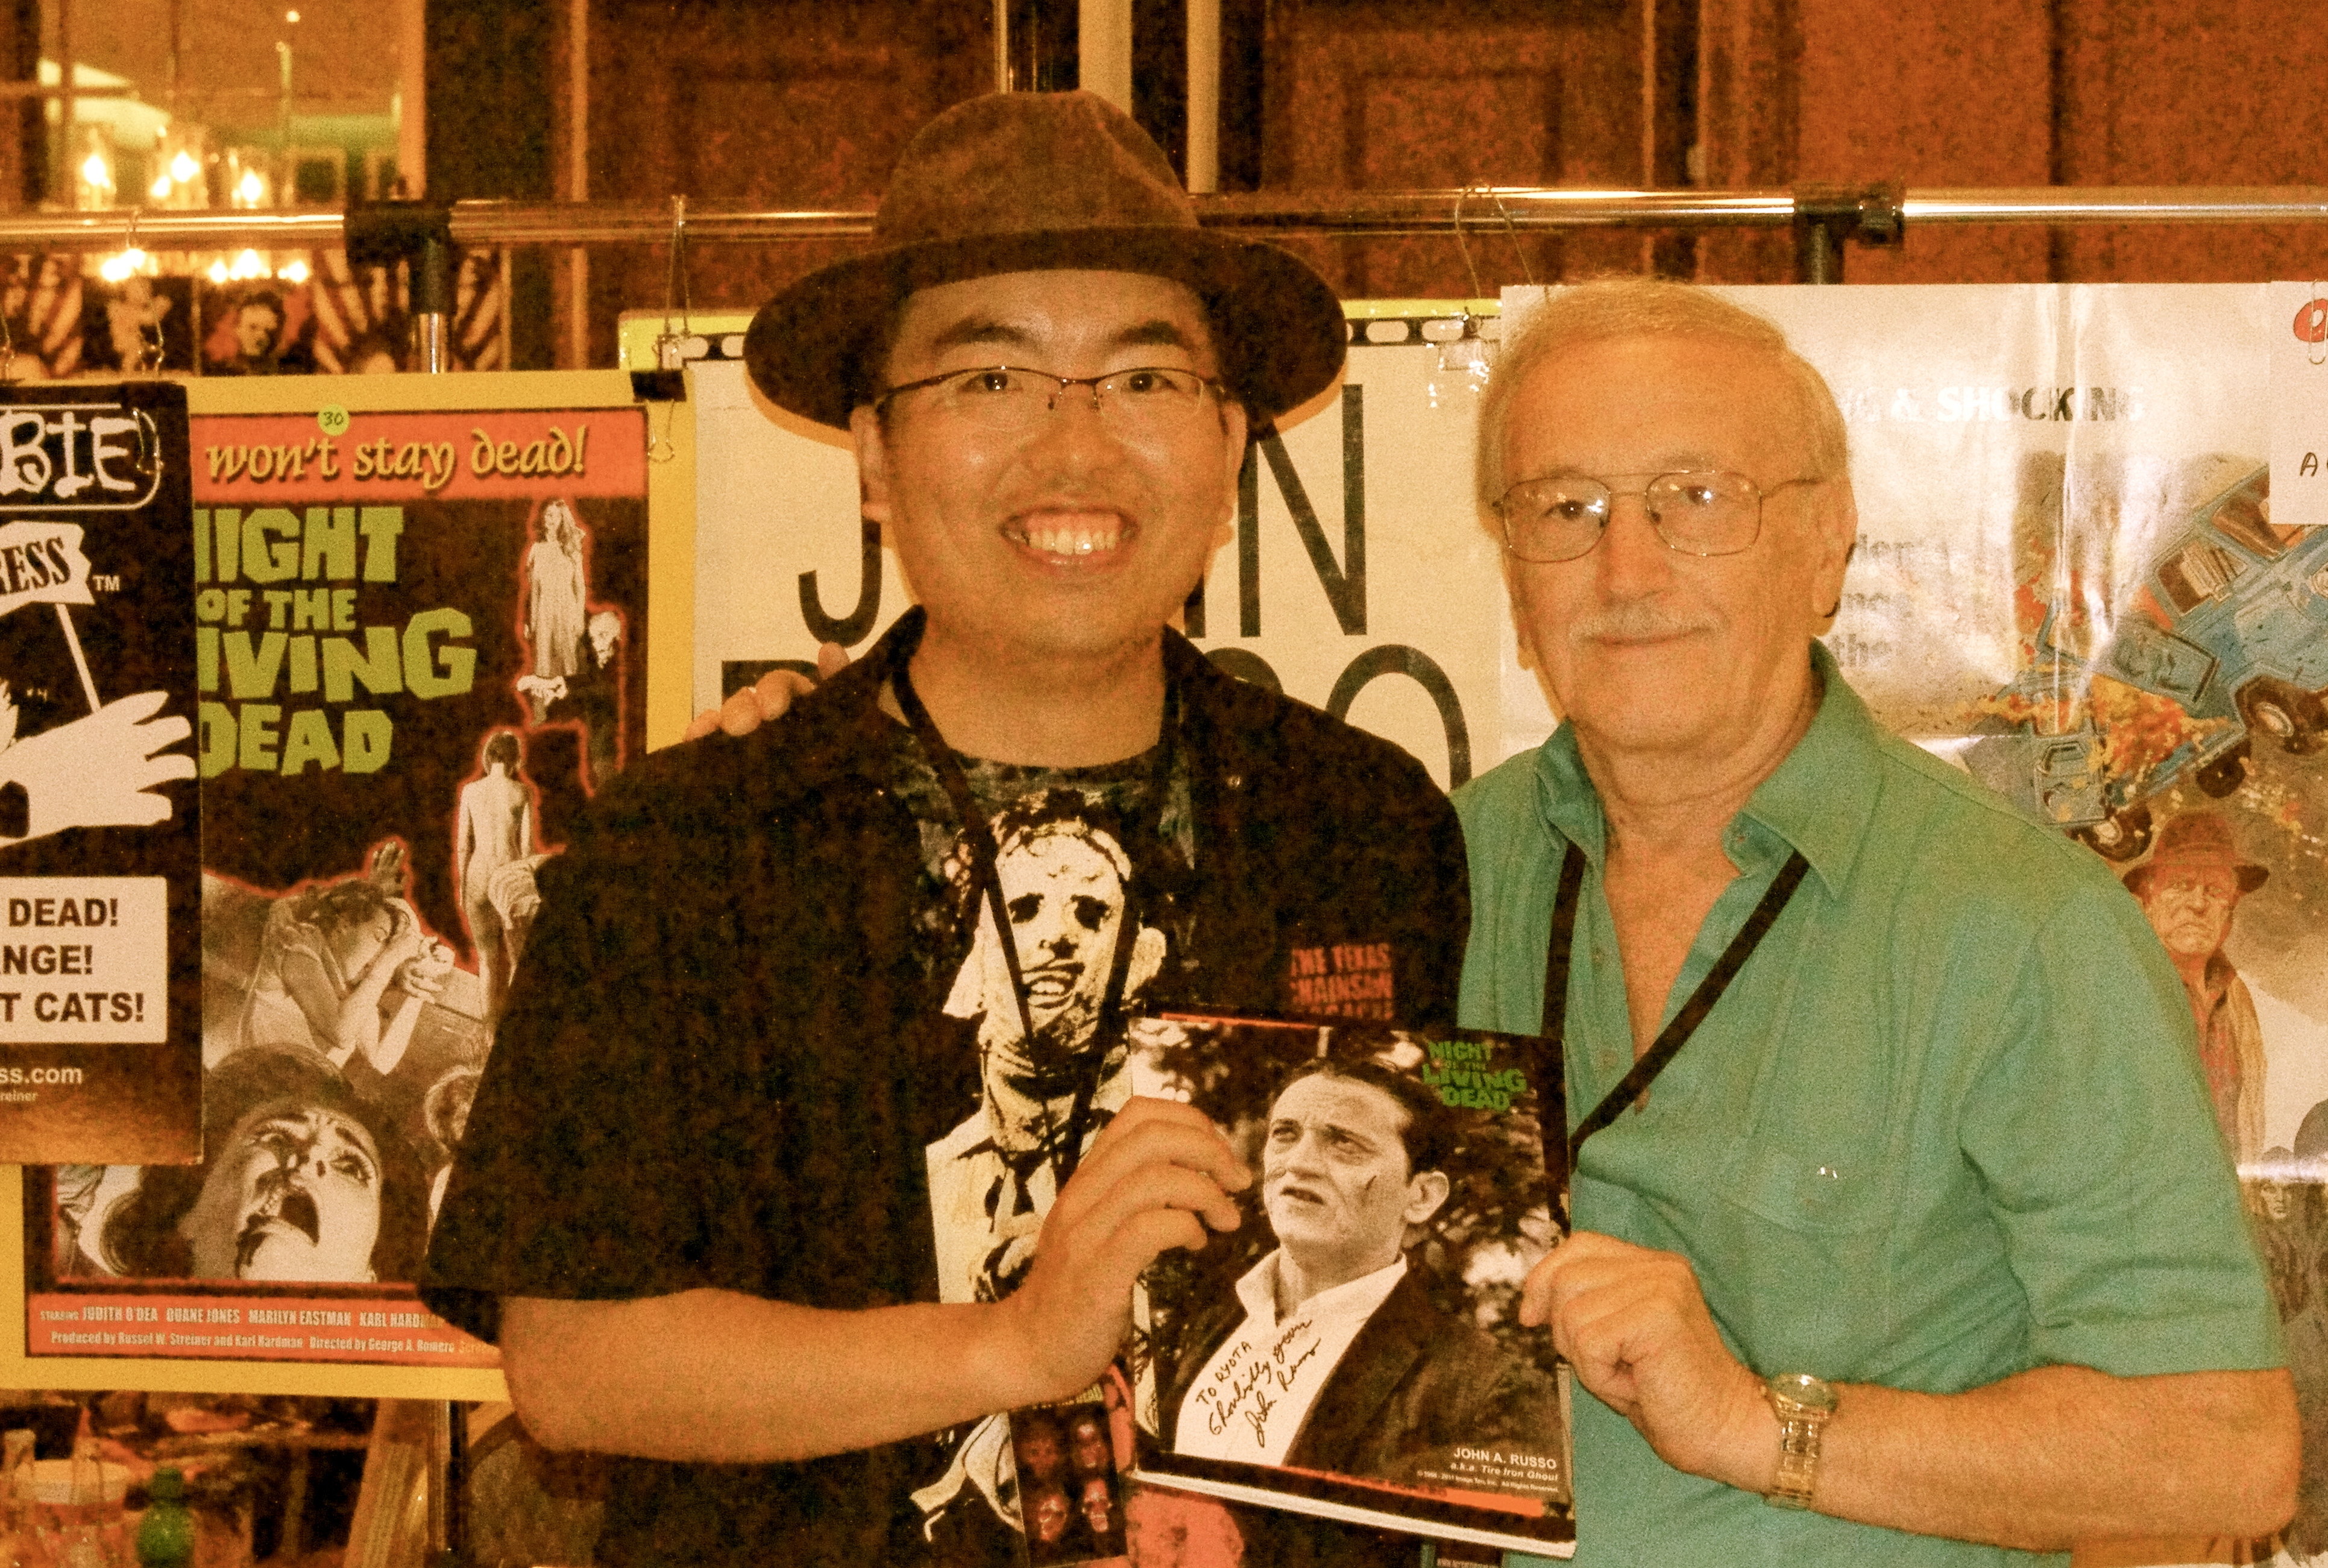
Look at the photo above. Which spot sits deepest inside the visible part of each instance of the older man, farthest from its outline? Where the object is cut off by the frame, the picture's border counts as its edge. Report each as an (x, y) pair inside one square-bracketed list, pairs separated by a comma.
[(695, 1199), (1368, 1377), (2190, 889), (1932, 1164)]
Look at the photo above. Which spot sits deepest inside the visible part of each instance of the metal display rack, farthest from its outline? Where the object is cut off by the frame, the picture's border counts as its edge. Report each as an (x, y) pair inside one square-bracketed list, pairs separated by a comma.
[(1822, 218)]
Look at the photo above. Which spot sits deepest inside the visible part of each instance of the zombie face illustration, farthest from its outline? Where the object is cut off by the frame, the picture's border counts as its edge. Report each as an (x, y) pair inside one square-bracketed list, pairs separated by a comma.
[(257, 325), (1047, 1513), (304, 1181), (294, 1195), (1099, 1508), (1089, 1446)]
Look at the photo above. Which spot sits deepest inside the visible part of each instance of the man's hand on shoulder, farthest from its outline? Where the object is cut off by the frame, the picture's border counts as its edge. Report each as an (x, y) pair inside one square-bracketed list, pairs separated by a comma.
[(1159, 1176), (1633, 1324), (770, 697)]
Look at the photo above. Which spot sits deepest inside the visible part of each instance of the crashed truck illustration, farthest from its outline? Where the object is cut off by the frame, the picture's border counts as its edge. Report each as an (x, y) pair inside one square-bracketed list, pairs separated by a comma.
[(2230, 624)]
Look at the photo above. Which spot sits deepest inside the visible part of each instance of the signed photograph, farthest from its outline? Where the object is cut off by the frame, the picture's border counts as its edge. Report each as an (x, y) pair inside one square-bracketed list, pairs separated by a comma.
[(1354, 1349)]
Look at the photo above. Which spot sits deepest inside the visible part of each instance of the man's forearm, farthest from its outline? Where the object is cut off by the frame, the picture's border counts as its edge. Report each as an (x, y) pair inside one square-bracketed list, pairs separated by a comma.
[(718, 1376), (2061, 1454), (722, 1376)]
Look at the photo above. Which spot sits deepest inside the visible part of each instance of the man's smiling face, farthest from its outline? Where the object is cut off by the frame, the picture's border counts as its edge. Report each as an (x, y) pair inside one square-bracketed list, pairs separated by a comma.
[(1079, 534), (1644, 647)]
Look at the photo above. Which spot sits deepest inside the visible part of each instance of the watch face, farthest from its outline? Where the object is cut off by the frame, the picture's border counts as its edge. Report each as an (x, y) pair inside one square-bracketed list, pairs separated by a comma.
[(1801, 1388)]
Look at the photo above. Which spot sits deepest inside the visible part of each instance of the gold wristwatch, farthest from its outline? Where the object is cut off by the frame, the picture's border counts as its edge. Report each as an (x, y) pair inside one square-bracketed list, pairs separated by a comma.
[(1802, 1403)]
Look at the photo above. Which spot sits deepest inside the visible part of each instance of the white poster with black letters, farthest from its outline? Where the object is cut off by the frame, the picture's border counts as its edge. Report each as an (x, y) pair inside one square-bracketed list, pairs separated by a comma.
[(1355, 577)]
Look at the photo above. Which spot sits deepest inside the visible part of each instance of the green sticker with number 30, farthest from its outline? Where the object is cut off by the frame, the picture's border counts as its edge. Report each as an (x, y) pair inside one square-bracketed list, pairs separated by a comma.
[(333, 419)]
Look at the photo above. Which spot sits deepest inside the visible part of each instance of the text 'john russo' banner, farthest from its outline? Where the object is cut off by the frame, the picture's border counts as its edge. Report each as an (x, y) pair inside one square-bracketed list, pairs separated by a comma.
[(1357, 579), (2295, 324), (99, 843)]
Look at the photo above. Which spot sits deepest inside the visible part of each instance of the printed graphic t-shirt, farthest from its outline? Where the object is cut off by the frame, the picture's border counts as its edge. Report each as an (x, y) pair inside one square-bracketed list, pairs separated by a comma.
[(1089, 870)]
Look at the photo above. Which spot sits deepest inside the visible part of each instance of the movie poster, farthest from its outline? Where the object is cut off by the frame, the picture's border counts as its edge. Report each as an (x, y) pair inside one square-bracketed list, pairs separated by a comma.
[(100, 837), (317, 315), (419, 643)]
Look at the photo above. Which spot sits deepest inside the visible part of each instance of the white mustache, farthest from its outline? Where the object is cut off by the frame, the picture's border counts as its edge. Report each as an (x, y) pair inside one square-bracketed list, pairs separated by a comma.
[(1640, 620)]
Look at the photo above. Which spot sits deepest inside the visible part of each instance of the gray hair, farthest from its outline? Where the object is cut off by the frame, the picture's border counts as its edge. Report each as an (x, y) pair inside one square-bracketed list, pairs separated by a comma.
[(1627, 307)]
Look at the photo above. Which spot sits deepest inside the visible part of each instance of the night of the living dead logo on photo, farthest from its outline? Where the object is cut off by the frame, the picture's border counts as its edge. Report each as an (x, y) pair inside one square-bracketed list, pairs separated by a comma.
[(419, 649), (100, 837)]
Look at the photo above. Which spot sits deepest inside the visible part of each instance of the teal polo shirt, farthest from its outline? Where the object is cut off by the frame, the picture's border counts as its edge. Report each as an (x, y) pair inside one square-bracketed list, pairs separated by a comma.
[(1947, 1124)]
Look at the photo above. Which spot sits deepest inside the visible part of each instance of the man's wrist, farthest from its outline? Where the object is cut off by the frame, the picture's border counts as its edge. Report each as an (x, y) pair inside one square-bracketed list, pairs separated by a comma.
[(1753, 1440), (1004, 1360), (994, 1356), (1802, 1405)]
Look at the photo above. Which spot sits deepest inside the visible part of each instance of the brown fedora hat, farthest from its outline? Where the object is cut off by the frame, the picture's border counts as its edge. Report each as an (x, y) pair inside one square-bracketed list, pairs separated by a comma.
[(2196, 841), (1036, 182)]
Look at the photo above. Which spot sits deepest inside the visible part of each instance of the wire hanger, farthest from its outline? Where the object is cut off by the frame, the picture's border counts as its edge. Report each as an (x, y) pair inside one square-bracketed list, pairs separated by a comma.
[(661, 447)]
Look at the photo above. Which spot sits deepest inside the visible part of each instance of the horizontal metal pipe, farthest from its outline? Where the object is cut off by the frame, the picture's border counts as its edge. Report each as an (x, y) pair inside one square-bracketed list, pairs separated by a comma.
[(170, 230), (1325, 213), (1486, 210), (2123, 204)]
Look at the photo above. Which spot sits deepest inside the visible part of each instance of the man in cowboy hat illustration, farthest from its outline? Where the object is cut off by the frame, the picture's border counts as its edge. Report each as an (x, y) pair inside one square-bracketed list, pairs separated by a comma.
[(694, 1203), (2190, 887)]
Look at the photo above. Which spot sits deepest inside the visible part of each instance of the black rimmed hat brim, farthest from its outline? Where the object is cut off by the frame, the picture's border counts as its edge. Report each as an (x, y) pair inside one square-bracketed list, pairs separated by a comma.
[(1278, 329)]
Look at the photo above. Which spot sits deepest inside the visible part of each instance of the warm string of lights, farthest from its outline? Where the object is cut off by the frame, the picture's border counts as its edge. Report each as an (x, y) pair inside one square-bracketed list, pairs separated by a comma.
[(187, 174), (244, 267)]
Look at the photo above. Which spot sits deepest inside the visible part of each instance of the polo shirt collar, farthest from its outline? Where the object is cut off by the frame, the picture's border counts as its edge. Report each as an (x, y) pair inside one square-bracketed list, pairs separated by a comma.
[(1820, 800)]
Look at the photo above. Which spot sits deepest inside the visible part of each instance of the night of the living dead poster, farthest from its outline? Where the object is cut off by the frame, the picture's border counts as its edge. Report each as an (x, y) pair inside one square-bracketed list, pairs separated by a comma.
[(419, 639)]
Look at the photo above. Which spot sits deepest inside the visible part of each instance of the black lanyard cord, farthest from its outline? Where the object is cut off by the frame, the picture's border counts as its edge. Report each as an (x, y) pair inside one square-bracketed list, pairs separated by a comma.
[(1558, 954), (978, 838)]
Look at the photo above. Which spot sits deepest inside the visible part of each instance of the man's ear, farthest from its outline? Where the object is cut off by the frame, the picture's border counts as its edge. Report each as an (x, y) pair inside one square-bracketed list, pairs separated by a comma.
[(872, 463), (1426, 1191), (1837, 522)]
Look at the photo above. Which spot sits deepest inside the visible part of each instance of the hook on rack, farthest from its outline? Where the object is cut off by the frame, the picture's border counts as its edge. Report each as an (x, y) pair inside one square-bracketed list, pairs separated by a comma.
[(675, 301), (1527, 272), (149, 323), (668, 345)]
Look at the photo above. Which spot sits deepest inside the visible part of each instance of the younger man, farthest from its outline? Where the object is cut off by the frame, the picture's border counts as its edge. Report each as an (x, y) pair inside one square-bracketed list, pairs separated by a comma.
[(694, 1203)]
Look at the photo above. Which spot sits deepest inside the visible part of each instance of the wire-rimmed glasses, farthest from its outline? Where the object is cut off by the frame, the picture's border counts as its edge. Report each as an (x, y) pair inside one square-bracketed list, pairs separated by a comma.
[(1696, 512), (1145, 399)]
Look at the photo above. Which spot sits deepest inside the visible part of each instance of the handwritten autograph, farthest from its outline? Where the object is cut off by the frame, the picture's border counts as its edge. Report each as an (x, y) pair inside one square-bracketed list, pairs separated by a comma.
[(1245, 1387)]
